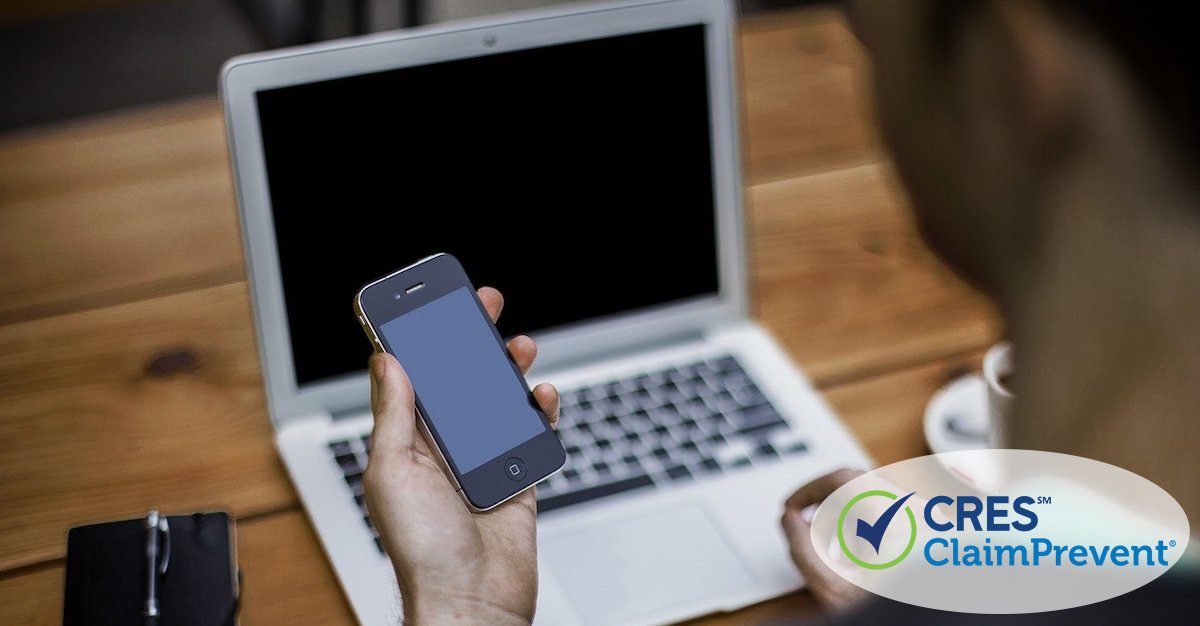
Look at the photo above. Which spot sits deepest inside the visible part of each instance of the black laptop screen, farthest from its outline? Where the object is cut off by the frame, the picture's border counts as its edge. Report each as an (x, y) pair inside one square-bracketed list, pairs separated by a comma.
[(575, 178)]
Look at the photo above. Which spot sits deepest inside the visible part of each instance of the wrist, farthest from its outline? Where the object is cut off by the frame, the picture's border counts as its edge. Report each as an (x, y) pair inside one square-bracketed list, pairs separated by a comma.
[(442, 609)]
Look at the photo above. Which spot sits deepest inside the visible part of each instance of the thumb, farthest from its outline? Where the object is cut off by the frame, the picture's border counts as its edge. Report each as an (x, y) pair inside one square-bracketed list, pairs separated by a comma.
[(393, 405), (831, 591), (799, 537)]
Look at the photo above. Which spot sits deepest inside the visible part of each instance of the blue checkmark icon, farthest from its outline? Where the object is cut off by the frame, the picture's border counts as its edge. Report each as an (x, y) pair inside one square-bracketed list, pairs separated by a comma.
[(873, 533)]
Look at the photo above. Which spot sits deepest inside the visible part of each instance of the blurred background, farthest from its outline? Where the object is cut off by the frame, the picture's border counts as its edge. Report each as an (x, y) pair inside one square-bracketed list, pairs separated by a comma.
[(65, 58)]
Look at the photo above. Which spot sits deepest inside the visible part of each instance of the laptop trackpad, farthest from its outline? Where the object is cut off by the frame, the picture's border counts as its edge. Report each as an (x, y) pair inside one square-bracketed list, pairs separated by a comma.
[(646, 565)]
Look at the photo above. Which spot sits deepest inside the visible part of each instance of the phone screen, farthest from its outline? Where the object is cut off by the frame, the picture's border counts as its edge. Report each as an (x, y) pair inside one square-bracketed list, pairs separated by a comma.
[(463, 378)]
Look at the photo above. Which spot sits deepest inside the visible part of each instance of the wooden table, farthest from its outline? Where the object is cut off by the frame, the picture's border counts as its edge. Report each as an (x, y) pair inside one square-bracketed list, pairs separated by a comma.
[(128, 372)]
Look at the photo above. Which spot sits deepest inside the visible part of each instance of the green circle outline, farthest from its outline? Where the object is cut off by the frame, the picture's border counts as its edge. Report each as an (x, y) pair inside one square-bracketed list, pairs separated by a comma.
[(912, 539)]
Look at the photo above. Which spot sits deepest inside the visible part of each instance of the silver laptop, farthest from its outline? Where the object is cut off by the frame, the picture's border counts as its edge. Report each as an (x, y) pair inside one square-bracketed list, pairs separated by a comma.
[(585, 162)]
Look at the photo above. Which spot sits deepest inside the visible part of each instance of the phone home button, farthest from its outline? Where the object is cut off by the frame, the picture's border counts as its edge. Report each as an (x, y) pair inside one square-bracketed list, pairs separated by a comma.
[(514, 468)]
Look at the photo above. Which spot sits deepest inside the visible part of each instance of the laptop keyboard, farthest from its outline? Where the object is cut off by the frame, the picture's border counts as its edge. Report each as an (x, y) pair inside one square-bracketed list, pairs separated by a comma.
[(681, 423), (676, 424), (351, 457)]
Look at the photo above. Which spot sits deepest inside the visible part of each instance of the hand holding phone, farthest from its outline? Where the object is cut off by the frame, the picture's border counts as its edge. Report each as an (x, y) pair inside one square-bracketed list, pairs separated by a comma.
[(448, 559), (475, 407)]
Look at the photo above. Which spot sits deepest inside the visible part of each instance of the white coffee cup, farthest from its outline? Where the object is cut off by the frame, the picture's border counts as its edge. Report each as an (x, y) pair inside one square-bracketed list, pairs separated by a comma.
[(997, 364)]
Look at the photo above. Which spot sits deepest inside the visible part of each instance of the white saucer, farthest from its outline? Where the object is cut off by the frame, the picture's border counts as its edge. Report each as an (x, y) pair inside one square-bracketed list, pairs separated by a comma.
[(956, 417)]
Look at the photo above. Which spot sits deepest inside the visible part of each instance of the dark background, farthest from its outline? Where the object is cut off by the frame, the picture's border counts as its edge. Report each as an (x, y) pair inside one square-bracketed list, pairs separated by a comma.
[(64, 58)]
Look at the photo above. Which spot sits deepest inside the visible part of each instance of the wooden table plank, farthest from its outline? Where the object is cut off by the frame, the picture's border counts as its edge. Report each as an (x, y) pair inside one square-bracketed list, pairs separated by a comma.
[(33, 597), (887, 412), (140, 204), (113, 149), (109, 245), (807, 106), (88, 433), (839, 277), (288, 580), (843, 279)]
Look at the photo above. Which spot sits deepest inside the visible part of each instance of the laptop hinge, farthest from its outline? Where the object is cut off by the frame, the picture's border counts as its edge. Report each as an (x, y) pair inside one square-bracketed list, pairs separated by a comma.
[(667, 341), (593, 356)]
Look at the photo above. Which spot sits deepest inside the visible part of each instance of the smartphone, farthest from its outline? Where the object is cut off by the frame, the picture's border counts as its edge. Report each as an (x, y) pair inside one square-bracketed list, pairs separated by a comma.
[(473, 403)]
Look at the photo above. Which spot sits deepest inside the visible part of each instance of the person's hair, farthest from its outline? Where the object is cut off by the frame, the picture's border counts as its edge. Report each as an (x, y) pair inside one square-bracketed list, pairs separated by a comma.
[(1155, 41), (1151, 37)]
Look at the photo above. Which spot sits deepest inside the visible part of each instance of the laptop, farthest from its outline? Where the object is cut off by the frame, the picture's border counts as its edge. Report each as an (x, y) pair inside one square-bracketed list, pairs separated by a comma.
[(584, 161)]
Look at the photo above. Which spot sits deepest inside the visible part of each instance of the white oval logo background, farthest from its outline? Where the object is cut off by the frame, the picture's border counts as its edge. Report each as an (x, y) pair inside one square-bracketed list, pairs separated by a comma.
[(1064, 531)]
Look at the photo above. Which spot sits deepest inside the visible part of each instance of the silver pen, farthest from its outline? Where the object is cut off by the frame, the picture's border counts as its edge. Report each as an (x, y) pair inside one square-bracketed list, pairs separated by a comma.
[(156, 528)]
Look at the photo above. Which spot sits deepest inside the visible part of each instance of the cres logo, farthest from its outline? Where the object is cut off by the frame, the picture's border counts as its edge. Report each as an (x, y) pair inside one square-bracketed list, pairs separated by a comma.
[(999, 531), (872, 528)]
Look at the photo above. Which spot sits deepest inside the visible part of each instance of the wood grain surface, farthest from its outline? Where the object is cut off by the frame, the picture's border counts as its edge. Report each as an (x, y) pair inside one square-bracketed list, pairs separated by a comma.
[(287, 580), (129, 376)]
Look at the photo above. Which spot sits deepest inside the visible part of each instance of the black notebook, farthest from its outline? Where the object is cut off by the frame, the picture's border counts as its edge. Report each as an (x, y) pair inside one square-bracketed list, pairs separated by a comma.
[(108, 570)]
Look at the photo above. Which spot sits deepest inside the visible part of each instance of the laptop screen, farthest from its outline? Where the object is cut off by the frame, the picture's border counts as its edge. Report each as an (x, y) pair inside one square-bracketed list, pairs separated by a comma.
[(576, 178)]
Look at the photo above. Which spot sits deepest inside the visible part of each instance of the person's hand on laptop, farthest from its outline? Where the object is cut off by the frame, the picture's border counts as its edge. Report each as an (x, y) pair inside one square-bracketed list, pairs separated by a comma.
[(453, 566), (831, 591)]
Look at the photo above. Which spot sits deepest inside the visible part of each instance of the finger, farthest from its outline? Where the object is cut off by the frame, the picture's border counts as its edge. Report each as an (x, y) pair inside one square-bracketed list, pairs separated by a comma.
[(803, 552), (547, 398), (393, 406), (523, 351), (817, 490), (492, 300)]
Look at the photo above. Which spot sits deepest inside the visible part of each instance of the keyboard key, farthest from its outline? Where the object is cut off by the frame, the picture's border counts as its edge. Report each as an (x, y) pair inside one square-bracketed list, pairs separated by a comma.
[(644, 399), (678, 472), (736, 380), (340, 447), (749, 396), (765, 450), (593, 493), (348, 462), (736, 449), (796, 447), (756, 419), (710, 465), (726, 364)]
